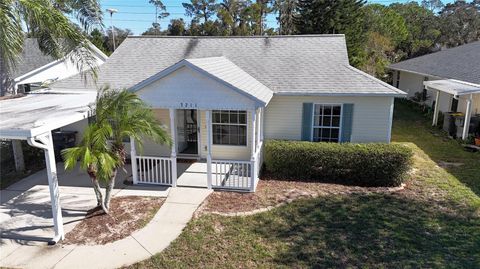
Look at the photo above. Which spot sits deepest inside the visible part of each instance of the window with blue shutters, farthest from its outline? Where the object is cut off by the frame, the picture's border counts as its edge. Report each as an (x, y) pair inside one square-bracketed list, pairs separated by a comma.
[(326, 123)]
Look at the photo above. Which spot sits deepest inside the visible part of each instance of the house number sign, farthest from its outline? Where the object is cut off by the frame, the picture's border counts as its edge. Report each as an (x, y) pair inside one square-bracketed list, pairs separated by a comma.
[(188, 105)]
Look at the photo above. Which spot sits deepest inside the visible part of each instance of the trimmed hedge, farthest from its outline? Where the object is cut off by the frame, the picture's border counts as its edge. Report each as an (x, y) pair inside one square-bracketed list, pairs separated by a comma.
[(373, 164)]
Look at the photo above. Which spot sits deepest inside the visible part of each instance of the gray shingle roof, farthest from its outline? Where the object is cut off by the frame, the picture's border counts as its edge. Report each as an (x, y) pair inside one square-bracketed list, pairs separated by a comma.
[(461, 63), (31, 58), (315, 64)]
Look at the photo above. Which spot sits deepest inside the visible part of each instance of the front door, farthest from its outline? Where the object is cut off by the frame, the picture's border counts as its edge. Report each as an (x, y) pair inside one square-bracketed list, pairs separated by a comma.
[(187, 132)]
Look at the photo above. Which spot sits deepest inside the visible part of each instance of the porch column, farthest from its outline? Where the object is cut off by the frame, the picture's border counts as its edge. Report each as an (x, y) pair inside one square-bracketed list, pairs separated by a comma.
[(46, 143), (173, 155), (133, 158), (252, 159), (435, 109), (259, 127), (468, 115), (208, 115), (262, 112)]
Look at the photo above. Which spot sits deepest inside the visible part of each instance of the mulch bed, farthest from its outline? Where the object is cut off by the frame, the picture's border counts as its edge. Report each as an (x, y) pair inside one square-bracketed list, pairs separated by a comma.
[(127, 214), (272, 192)]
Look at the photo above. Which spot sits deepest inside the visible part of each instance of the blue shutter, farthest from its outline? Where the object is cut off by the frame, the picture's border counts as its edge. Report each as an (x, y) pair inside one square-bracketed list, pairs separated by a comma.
[(347, 121), (307, 121)]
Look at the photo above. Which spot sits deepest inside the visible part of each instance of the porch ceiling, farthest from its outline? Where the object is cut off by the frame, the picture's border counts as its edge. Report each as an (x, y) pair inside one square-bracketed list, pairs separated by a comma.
[(452, 86)]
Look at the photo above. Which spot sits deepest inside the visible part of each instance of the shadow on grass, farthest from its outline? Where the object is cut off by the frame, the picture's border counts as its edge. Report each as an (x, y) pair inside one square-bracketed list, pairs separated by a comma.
[(410, 125), (371, 231)]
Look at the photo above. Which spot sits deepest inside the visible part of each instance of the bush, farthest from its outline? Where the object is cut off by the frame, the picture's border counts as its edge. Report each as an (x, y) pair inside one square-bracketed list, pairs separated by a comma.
[(372, 164)]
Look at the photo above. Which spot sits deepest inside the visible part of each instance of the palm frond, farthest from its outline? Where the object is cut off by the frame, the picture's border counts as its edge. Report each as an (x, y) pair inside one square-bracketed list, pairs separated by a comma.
[(11, 35)]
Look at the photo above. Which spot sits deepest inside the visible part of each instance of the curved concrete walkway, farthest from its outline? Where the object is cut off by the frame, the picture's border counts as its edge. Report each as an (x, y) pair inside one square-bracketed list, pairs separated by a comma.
[(167, 224)]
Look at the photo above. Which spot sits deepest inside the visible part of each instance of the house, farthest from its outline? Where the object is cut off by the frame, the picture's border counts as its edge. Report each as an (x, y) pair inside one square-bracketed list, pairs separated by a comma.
[(34, 68), (220, 97), (448, 81)]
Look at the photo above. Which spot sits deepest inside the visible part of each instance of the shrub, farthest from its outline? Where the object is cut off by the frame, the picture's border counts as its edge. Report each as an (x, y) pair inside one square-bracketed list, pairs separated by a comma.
[(372, 164)]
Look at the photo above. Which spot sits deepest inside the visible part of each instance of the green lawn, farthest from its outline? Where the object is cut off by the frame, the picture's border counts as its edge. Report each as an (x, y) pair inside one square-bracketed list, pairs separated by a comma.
[(434, 222)]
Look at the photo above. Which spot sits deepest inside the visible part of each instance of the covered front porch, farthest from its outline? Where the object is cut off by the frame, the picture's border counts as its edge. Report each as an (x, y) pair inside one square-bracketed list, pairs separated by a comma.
[(212, 166), (462, 100), (214, 112)]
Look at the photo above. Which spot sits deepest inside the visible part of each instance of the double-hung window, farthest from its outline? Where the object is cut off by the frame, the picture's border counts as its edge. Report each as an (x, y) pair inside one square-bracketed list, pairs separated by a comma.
[(229, 127), (326, 122)]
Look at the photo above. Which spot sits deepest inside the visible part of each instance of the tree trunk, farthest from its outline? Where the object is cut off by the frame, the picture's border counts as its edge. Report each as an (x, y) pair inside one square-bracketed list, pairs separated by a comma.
[(119, 149), (96, 188), (18, 155), (109, 189)]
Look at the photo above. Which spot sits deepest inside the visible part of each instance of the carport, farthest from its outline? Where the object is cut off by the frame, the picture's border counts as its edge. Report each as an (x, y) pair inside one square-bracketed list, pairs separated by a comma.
[(33, 117), (459, 90)]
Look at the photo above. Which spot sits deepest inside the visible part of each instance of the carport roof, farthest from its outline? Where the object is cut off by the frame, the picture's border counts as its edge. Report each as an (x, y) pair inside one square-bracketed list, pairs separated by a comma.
[(42, 111), (452, 86)]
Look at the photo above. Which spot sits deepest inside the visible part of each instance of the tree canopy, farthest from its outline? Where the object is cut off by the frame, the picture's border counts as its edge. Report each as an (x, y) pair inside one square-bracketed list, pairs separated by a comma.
[(376, 34)]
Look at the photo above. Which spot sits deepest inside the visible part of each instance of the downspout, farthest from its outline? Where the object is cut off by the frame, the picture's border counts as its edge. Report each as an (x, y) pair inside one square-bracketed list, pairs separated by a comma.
[(32, 142)]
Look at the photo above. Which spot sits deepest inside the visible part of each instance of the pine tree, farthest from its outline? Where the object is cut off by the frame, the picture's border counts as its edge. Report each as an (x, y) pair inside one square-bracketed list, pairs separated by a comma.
[(334, 17)]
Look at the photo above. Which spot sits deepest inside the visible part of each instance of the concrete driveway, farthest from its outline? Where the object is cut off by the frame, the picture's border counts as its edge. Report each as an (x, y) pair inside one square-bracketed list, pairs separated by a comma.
[(25, 211)]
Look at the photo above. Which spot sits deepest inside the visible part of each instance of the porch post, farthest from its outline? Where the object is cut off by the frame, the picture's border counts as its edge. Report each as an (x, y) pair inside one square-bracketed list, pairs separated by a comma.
[(46, 143), (259, 120), (209, 148), (435, 109), (262, 112), (468, 115), (133, 158), (173, 156), (252, 160)]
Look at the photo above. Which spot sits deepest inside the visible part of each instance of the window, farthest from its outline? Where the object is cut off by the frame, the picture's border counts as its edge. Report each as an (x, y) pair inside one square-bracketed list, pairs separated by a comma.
[(454, 106), (398, 79), (326, 123), (229, 127)]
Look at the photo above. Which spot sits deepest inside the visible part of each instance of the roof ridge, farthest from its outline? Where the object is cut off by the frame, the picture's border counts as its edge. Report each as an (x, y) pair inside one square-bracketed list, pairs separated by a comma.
[(437, 52)]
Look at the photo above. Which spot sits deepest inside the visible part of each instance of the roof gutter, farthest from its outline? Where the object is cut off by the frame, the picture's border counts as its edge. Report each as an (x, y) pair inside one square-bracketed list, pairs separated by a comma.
[(296, 93)]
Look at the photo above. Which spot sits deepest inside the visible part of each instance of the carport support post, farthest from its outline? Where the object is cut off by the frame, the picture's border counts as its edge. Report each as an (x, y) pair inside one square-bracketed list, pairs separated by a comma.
[(468, 115), (435, 109), (46, 143), (53, 187)]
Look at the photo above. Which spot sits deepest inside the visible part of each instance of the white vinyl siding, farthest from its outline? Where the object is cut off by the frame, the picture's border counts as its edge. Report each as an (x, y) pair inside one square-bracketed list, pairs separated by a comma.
[(371, 116)]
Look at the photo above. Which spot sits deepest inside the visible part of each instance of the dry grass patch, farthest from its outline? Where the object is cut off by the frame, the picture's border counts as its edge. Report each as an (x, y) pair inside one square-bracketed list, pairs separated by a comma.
[(271, 192), (128, 214)]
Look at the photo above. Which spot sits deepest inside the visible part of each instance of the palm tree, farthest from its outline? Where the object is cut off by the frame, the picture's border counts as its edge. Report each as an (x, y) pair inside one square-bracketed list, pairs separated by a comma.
[(119, 115), (57, 36), (94, 156)]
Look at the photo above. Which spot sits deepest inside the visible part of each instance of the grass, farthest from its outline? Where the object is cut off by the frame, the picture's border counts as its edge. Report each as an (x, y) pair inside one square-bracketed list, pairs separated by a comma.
[(410, 126), (433, 223)]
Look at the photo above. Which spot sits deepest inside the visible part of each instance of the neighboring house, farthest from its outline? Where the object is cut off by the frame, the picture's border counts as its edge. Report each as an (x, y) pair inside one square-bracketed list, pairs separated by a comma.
[(220, 97), (448, 80), (34, 68)]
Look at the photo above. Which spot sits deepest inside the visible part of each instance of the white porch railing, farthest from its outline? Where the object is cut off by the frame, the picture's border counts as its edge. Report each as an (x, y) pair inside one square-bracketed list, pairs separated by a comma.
[(155, 170), (228, 174)]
